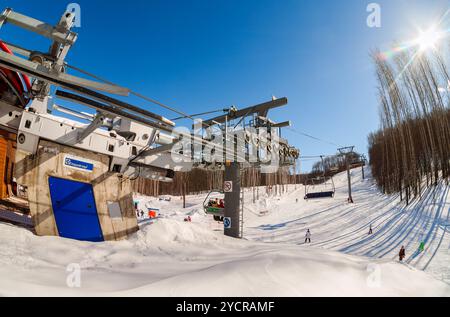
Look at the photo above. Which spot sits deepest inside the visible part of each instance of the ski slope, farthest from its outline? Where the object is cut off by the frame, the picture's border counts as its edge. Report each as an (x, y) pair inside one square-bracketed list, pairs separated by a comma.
[(170, 257), (336, 225)]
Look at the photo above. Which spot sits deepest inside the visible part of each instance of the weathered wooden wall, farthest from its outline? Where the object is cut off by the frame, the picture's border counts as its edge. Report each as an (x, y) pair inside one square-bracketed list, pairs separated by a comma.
[(34, 171), (200, 181), (7, 151)]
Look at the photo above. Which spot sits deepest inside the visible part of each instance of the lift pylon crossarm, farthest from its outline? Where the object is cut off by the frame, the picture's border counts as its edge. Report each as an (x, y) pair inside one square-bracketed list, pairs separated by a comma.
[(260, 109), (282, 124)]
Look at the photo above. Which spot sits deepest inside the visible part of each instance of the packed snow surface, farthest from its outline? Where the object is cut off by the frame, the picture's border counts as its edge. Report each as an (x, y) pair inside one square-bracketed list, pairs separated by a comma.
[(170, 257)]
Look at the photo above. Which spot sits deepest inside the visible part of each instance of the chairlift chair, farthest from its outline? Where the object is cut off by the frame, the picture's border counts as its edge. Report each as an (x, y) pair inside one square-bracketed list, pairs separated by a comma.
[(211, 209), (357, 163), (326, 185), (326, 188)]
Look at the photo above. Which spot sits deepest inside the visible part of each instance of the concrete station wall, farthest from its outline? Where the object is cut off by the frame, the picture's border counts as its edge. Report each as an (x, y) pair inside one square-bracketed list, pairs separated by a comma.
[(34, 171)]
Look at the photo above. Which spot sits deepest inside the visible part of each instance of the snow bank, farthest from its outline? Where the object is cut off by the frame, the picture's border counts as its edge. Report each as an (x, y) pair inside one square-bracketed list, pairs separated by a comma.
[(174, 258)]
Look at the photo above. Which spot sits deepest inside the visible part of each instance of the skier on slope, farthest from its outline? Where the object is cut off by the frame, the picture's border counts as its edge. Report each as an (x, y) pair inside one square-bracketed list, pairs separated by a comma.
[(421, 246), (370, 230), (308, 236), (402, 253)]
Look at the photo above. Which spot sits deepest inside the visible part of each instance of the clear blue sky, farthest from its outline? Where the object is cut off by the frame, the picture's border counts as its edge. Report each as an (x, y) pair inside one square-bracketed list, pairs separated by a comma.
[(201, 55)]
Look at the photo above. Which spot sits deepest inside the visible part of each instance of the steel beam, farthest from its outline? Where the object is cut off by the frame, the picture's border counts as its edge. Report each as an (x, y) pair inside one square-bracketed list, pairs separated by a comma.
[(35, 70), (18, 49), (76, 114), (109, 109), (75, 84), (282, 124), (159, 149), (38, 27), (96, 123)]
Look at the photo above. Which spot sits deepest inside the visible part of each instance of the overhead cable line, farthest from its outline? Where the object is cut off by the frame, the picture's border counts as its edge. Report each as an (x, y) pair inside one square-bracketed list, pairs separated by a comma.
[(315, 156), (312, 137), (145, 98), (132, 92), (200, 114), (183, 114)]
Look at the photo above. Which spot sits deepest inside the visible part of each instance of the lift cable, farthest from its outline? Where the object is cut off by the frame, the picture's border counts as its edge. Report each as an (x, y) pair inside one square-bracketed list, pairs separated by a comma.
[(312, 137), (200, 114), (184, 115), (135, 94), (132, 92), (315, 156)]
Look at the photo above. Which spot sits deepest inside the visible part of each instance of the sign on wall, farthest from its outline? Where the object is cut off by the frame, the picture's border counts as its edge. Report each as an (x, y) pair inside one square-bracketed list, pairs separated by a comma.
[(78, 163), (115, 212)]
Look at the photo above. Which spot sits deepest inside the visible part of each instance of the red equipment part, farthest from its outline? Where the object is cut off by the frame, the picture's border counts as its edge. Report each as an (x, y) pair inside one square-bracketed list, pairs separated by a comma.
[(14, 77)]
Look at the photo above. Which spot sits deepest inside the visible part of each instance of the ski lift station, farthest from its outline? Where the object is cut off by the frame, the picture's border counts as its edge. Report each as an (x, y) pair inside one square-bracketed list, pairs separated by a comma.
[(74, 169)]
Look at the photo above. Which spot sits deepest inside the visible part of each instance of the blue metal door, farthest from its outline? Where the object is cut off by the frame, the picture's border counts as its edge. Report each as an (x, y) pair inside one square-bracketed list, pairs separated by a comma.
[(74, 209)]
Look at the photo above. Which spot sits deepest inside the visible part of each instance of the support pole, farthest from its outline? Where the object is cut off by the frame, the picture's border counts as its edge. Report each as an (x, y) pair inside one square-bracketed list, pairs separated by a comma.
[(232, 200), (184, 192), (346, 152), (350, 198), (363, 160)]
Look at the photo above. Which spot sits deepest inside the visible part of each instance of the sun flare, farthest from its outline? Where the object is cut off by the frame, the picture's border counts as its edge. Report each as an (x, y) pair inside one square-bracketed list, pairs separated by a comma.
[(428, 39)]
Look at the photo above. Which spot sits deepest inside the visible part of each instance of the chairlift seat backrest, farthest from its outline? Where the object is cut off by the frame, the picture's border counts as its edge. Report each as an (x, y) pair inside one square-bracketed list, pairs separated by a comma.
[(327, 194)]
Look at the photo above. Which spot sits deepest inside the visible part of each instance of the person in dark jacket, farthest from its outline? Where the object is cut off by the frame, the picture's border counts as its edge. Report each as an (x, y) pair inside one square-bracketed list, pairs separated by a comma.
[(308, 236), (402, 253)]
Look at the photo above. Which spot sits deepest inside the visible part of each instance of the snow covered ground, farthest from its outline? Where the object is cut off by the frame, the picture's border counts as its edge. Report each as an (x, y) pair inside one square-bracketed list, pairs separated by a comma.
[(336, 225), (170, 257)]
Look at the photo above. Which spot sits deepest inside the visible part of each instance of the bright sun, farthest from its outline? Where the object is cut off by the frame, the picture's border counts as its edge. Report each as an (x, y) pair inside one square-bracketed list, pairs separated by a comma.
[(429, 39)]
